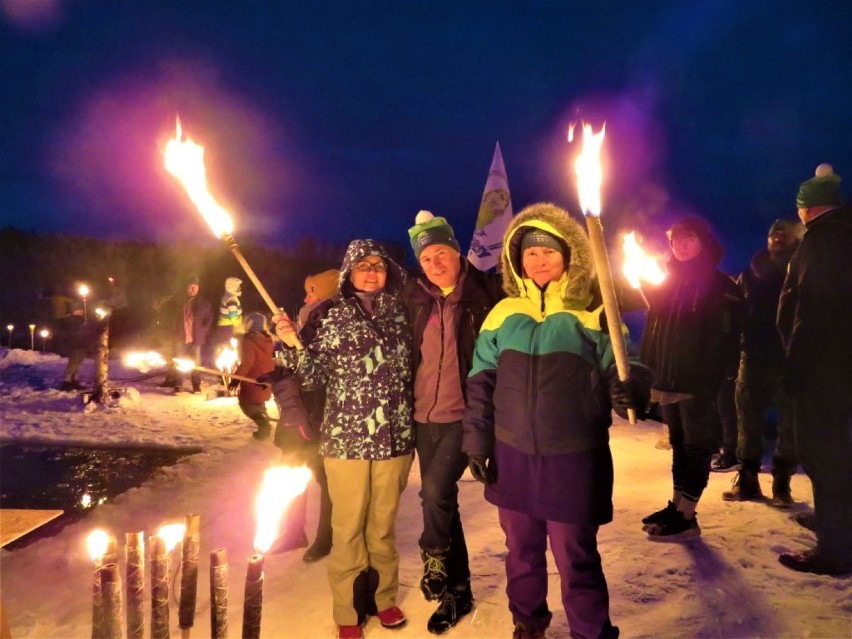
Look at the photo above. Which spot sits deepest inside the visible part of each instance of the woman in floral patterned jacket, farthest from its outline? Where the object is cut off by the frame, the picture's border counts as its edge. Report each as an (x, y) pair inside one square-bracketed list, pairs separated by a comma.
[(361, 355)]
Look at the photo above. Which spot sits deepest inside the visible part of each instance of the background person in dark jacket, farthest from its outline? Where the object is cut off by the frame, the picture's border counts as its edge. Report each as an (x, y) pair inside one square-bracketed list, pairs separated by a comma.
[(813, 317), (690, 339), (76, 339), (759, 381), (536, 425), (446, 305), (197, 319)]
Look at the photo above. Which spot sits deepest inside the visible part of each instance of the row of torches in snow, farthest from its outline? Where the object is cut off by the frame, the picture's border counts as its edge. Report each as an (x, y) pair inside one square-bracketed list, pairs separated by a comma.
[(281, 484)]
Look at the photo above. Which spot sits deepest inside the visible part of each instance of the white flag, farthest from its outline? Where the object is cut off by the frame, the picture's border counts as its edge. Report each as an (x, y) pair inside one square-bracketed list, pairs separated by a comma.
[(495, 213)]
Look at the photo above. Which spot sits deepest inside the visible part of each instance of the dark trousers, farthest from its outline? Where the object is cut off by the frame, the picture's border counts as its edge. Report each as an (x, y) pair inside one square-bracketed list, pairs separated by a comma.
[(190, 351), (759, 388), (76, 357), (691, 425), (442, 464), (823, 430), (256, 412), (585, 596), (727, 408)]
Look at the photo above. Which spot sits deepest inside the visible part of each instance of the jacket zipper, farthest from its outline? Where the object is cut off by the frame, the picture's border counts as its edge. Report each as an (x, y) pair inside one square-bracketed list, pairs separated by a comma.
[(440, 360)]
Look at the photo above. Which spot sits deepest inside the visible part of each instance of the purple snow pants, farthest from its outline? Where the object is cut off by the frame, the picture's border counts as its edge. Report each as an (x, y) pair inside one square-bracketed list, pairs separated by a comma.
[(584, 592)]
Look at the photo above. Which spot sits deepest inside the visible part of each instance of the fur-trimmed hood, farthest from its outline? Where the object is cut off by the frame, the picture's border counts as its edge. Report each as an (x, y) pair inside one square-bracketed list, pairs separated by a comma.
[(553, 219)]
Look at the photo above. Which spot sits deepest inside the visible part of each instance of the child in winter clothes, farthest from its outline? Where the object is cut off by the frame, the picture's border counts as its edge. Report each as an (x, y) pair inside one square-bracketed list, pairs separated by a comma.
[(256, 350), (536, 424)]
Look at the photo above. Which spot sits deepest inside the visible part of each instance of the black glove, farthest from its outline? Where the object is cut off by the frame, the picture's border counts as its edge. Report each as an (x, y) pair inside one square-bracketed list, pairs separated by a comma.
[(266, 379), (233, 385), (481, 469), (632, 393)]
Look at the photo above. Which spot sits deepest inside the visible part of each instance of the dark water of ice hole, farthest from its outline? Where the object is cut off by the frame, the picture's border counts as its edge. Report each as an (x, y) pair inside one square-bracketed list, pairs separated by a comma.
[(57, 478)]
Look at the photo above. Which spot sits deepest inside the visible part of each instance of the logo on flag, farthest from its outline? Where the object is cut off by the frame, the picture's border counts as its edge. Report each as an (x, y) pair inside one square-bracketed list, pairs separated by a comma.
[(495, 213)]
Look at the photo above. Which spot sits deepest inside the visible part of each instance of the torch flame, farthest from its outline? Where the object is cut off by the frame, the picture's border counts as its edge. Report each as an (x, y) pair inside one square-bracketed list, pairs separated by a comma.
[(638, 265), (171, 534), (587, 166), (228, 357), (144, 361), (183, 365), (281, 485), (184, 159), (96, 544)]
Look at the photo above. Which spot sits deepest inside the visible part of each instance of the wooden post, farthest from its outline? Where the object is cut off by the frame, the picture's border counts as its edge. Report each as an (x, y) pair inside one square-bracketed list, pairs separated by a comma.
[(219, 594), (134, 552), (253, 602), (189, 573)]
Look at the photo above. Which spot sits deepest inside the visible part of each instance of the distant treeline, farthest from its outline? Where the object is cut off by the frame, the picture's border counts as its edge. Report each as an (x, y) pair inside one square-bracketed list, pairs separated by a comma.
[(32, 265)]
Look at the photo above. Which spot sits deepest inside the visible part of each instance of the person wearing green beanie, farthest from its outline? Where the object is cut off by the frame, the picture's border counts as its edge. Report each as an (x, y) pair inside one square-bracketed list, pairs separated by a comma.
[(813, 320), (446, 305)]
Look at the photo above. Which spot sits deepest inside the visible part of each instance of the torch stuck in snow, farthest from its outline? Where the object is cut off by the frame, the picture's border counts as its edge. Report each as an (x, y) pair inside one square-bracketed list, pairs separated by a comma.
[(110, 584), (281, 485), (159, 588), (134, 554), (589, 178), (219, 594), (102, 550), (184, 159), (189, 573)]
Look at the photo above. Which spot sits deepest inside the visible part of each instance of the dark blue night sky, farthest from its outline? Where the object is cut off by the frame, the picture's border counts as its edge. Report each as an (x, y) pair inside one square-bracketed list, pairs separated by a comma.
[(343, 119)]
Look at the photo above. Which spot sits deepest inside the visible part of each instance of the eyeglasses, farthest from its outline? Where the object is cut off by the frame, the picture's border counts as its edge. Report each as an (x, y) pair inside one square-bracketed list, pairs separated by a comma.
[(366, 267)]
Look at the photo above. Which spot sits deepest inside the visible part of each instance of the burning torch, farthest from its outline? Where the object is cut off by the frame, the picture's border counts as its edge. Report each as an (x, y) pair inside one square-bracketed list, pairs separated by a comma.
[(83, 290), (589, 178), (184, 159), (639, 266), (281, 485)]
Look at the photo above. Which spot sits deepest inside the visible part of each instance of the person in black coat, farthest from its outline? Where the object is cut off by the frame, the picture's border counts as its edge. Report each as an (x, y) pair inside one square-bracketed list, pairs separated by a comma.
[(760, 376), (813, 318), (446, 305), (76, 339), (690, 339)]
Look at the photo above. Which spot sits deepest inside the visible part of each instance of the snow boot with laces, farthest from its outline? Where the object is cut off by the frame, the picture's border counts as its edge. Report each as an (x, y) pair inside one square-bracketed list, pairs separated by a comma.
[(433, 585), (745, 487), (455, 604)]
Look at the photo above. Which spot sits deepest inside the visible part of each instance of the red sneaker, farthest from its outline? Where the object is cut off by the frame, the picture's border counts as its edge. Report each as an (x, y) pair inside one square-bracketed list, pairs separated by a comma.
[(392, 618), (349, 632)]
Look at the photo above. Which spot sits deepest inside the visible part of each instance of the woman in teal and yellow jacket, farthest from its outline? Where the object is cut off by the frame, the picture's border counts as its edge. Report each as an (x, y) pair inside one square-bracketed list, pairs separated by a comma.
[(539, 402)]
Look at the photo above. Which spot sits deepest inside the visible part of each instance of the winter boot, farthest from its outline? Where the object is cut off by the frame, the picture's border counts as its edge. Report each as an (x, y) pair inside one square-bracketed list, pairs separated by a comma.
[(455, 604), (781, 496), (527, 631), (433, 585), (675, 527), (659, 516), (746, 486)]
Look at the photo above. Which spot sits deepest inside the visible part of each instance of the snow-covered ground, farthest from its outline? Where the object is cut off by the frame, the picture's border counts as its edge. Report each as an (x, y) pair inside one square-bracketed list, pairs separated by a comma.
[(727, 583)]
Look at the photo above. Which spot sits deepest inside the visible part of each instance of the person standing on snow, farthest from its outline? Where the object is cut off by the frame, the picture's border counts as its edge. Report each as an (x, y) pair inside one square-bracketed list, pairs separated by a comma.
[(813, 317), (760, 377), (230, 312), (197, 318), (446, 305), (691, 337), (362, 355), (536, 426), (256, 349)]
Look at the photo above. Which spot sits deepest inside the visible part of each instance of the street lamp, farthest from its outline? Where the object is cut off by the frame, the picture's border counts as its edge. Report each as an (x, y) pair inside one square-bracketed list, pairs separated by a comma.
[(84, 293), (44, 335), (10, 328), (32, 337)]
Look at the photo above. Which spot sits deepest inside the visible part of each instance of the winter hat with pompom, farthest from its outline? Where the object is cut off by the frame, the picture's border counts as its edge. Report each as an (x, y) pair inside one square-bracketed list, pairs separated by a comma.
[(428, 230), (822, 190)]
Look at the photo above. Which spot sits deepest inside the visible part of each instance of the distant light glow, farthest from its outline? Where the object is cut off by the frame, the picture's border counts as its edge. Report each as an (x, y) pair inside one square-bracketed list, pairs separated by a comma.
[(44, 333), (83, 290), (183, 365), (86, 500)]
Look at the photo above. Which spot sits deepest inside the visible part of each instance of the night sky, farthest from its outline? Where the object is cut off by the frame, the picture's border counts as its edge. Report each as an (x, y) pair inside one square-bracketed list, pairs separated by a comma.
[(343, 119)]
